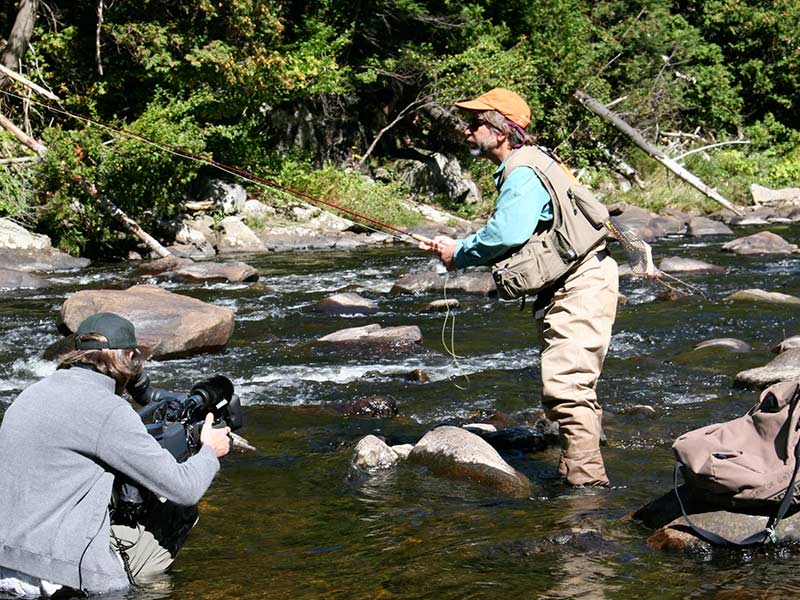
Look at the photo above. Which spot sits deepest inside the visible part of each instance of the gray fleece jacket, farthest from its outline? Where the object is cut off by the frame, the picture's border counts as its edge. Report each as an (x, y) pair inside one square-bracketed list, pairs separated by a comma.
[(61, 441)]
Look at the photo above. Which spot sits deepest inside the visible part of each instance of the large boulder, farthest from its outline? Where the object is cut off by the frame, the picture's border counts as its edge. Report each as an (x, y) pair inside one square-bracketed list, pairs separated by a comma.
[(764, 242), (168, 325), (172, 267), (457, 453), (435, 173), (478, 283), (11, 279), (22, 250), (784, 367)]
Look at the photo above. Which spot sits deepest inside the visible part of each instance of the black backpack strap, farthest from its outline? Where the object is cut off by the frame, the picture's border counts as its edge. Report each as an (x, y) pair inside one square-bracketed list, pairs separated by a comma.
[(768, 534)]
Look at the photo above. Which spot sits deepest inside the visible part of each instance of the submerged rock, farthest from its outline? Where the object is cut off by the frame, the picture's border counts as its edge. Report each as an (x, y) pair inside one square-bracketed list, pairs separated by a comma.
[(756, 295), (169, 325), (676, 264), (478, 283), (732, 344), (374, 333), (764, 242), (455, 452), (784, 367), (346, 303)]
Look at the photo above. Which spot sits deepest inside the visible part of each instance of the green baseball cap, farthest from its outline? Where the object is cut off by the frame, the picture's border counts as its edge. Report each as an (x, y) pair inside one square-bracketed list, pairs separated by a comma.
[(117, 330)]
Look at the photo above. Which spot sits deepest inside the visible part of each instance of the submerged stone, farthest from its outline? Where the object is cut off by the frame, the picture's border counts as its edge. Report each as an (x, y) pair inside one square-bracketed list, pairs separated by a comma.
[(784, 367)]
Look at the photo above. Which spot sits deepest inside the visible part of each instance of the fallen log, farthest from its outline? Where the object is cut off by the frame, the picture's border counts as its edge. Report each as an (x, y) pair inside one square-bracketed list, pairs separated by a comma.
[(122, 217), (602, 111)]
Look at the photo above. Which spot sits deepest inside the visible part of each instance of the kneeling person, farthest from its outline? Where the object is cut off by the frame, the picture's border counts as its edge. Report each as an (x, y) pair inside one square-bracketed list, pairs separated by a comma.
[(62, 443)]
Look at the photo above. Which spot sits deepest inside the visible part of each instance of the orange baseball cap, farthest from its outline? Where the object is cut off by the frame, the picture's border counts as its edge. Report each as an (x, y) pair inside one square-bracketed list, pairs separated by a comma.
[(507, 103)]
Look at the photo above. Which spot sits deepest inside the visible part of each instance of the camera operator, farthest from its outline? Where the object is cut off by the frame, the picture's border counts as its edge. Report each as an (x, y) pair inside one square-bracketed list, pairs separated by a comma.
[(62, 443)]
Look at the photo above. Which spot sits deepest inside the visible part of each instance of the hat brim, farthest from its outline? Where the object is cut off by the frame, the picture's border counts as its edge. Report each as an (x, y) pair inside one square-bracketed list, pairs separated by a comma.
[(473, 105)]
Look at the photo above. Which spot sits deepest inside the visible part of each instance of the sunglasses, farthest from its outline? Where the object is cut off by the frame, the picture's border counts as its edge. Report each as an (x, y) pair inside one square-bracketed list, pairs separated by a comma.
[(475, 123)]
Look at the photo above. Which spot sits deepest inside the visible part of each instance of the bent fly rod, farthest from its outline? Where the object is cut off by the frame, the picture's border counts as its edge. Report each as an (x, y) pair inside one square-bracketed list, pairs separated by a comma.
[(395, 232)]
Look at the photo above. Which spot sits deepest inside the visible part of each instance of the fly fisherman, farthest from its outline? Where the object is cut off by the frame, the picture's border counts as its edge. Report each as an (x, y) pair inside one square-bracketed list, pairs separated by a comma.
[(62, 442), (575, 311)]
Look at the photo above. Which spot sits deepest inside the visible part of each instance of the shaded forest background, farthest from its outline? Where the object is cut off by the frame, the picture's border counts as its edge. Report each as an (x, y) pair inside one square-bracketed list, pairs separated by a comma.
[(322, 96)]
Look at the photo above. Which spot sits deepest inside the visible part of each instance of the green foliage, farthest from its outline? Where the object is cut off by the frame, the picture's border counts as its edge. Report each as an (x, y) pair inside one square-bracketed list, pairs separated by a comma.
[(377, 200), (142, 180)]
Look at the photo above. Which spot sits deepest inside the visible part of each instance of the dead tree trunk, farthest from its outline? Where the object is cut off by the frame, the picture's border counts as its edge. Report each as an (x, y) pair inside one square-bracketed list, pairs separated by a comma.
[(20, 35), (123, 218), (23, 137), (602, 111)]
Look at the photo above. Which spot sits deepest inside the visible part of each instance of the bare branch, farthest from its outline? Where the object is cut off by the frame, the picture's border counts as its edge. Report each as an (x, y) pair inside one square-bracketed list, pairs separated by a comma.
[(23, 137), (28, 83), (98, 58), (685, 154), (416, 104)]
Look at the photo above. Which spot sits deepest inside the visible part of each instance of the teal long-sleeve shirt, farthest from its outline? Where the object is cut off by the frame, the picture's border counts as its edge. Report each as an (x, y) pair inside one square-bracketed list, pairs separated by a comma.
[(522, 203)]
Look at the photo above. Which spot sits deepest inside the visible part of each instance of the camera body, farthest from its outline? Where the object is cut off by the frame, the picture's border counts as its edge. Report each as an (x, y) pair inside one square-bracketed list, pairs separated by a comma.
[(174, 419)]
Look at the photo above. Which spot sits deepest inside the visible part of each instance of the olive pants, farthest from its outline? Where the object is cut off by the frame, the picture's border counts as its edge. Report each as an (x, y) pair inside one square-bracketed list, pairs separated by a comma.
[(149, 546), (574, 318)]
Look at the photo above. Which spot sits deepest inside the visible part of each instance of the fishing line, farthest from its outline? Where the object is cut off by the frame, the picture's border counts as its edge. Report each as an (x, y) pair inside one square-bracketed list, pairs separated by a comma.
[(451, 350)]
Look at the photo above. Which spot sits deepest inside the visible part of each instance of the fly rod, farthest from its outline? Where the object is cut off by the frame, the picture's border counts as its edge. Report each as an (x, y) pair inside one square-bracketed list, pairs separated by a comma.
[(396, 232)]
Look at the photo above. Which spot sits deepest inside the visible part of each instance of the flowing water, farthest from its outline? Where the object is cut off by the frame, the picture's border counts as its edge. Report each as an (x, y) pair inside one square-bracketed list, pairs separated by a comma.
[(290, 523)]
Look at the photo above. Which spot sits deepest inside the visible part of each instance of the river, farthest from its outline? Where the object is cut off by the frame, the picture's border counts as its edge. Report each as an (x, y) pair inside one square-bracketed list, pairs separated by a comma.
[(290, 523)]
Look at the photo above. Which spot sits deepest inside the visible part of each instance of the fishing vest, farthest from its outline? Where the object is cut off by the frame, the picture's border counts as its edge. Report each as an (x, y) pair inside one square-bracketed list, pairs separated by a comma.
[(553, 250)]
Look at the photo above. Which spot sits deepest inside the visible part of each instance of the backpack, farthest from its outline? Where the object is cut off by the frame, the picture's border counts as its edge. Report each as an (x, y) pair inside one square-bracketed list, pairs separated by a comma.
[(751, 461)]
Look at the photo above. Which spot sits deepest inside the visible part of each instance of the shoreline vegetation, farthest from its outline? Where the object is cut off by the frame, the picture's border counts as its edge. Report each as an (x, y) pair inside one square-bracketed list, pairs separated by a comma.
[(355, 107)]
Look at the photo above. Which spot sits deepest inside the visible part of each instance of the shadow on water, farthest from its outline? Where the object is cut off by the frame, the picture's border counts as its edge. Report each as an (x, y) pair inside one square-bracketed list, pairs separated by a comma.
[(290, 521)]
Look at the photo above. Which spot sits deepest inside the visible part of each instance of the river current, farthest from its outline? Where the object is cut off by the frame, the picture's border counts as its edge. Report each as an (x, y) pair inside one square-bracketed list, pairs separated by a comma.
[(289, 522)]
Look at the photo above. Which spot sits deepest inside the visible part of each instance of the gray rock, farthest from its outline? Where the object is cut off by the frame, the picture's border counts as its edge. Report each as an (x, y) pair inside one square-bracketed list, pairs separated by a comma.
[(346, 303), (542, 435), (436, 173), (756, 295), (168, 325), (236, 237), (748, 220), (476, 283), (788, 344), (11, 279), (634, 217), (442, 305), (172, 267), (726, 344), (764, 242), (372, 453), (676, 264), (402, 450), (669, 225), (674, 534), (41, 261), (374, 333), (16, 237), (702, 226), (230, 197), (455, 452), (769, 197), (784, 367)]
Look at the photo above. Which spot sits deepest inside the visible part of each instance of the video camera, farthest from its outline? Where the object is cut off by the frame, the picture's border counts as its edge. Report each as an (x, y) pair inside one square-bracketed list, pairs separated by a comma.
[(175, 419)]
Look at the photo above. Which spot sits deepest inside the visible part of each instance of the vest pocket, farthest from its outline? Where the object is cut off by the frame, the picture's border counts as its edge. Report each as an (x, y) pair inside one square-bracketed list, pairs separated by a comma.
[(536, 265)]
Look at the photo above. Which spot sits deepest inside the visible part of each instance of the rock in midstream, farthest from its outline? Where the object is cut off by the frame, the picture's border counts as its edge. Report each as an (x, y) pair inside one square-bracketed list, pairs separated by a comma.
[(459, 454), (168, 325)]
